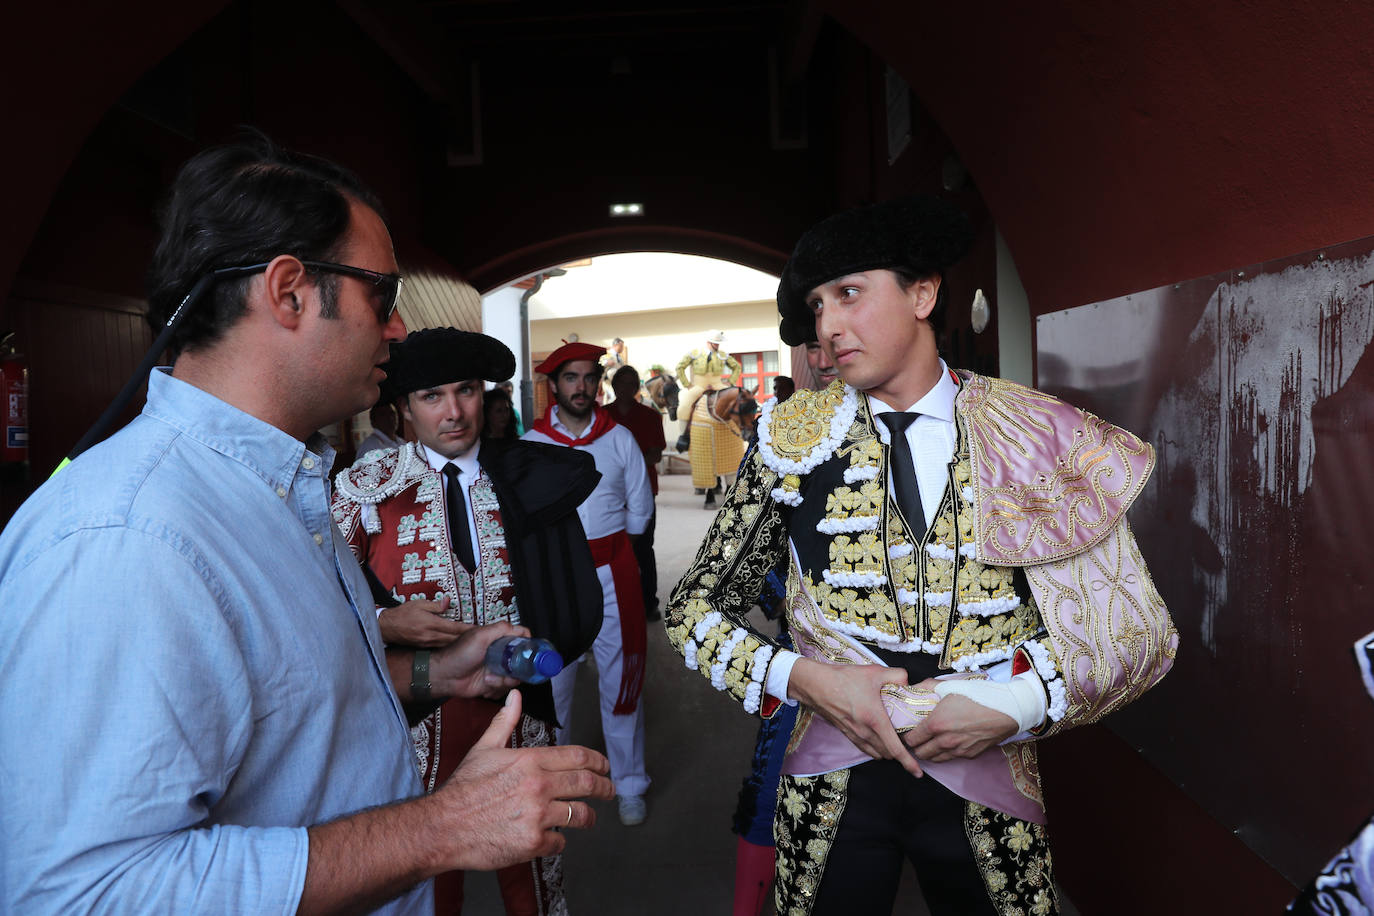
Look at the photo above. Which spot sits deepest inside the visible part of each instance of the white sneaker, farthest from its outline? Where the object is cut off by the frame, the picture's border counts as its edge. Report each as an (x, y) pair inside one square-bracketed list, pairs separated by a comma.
[(633, 810)]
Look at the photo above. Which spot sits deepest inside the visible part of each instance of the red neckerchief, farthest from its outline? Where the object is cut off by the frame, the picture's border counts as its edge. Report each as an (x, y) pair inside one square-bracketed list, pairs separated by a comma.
[(602, 423)]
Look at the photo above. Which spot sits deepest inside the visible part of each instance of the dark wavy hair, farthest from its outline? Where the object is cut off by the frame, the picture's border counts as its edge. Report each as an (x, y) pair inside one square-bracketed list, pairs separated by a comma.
[(490, 397), (245, 203)]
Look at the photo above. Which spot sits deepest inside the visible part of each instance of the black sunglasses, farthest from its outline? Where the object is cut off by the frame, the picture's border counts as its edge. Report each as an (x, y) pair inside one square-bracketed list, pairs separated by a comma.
[(387, 286)]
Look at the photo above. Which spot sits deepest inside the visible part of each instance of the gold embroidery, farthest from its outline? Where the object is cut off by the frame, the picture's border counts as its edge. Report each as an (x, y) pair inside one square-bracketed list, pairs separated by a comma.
[(746, 540), (1013, 856), (1060, 511), (804, 827), (1110, 633), (802, 422)]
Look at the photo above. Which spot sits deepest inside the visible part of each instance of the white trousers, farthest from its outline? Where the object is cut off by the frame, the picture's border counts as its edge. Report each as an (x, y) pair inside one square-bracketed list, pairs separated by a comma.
[(624, 734)]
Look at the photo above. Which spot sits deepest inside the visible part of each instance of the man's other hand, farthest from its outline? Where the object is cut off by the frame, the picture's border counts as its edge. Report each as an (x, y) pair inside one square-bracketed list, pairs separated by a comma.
[(419, 624), (507, 805), (459, 669), (958, 727), (849, 697)]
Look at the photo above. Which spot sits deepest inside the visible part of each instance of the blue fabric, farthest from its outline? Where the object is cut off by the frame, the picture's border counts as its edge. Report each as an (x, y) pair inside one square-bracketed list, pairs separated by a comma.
[(188, 678), (758, 794)]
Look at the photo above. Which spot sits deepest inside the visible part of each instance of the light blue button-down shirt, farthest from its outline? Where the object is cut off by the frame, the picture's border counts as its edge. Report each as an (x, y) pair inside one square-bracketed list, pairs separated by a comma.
[(190, 673)]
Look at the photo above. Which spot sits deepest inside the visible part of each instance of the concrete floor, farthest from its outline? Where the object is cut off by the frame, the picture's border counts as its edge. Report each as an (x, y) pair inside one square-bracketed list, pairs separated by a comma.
[(698, 748)]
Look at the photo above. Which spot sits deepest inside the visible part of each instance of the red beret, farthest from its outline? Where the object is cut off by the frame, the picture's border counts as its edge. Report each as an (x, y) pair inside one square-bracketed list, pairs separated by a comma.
[(567, 353)]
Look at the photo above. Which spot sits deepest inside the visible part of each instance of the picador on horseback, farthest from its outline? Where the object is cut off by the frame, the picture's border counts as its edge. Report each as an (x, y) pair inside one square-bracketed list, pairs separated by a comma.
[(709, 369)]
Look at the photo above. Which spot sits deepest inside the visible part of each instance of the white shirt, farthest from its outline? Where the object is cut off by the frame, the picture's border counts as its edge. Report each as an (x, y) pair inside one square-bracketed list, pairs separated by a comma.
[(378, 440), (622, 500), (932, 437), (468, 470)]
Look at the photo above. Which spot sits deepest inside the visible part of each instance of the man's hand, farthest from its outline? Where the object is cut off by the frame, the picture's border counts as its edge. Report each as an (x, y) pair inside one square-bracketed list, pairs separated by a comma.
[(848, 697), (509, 805), (958, 727), (459, 669), (500, 807), (420, 624)]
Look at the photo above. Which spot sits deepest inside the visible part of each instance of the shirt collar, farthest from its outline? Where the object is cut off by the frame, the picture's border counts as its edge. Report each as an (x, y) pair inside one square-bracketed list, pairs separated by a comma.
[(267, 451), (557, 423), (938, 402), (466, 464)]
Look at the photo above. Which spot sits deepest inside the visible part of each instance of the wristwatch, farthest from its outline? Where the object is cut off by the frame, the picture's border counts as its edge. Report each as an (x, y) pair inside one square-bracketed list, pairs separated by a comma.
[(419, 676)]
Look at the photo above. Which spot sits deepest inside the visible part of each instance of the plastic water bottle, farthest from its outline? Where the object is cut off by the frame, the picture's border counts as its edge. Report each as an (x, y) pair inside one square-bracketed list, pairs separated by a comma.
[(526, 659)]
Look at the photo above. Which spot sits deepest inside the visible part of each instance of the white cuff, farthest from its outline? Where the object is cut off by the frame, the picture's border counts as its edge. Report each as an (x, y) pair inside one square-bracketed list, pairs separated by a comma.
[(780, 674), (1022, 698)]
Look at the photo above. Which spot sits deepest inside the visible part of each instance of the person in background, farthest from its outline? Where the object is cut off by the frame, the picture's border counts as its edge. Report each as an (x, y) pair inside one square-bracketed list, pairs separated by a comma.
[(710, 368), (615, 356), (783, 388), (509, 388), (821, 365), (458, 532), (617, 512), (384, 425), (646, 424), (500, 415)]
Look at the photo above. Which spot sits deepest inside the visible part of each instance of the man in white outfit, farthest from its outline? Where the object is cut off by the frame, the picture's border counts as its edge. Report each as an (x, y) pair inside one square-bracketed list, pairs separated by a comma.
[(617, 511)]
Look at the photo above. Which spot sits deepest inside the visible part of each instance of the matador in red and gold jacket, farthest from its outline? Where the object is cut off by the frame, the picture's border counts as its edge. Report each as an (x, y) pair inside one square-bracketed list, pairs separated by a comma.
[(531, 567)]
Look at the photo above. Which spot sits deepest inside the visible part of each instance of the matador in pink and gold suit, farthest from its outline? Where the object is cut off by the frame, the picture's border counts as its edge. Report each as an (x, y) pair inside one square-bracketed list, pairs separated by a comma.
[(1029, 565)]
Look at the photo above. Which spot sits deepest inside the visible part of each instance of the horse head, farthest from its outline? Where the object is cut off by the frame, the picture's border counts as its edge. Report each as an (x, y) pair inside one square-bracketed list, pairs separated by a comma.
[(735, 406)]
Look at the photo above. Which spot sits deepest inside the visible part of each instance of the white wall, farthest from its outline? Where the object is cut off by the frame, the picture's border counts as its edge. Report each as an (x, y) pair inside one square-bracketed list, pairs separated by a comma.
[(501, 319), (668, 335), (1013, 320)]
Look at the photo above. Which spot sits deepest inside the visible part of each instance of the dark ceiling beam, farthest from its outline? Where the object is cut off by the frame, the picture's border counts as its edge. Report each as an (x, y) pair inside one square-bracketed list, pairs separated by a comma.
[(401, 29), (544, 17), (466, 40), (801, 25)]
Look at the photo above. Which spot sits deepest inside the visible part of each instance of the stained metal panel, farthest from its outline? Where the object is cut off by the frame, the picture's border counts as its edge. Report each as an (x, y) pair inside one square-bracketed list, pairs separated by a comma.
[(1257, 390)]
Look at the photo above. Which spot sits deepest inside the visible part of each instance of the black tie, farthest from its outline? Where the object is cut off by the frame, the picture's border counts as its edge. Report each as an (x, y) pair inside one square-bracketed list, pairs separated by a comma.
[(903, 470), (458, 518)]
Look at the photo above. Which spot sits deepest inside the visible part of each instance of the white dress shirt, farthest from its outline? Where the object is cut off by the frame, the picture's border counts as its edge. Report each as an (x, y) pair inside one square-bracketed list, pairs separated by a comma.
[(468, 470), (622, 500)]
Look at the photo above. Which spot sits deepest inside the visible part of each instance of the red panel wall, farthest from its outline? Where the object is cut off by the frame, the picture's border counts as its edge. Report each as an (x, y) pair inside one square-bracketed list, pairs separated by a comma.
[(80, 348)]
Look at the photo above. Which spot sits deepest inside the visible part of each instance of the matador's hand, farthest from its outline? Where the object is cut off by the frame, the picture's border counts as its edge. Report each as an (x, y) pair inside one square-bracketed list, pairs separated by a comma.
[(849, 697), (958, 727)]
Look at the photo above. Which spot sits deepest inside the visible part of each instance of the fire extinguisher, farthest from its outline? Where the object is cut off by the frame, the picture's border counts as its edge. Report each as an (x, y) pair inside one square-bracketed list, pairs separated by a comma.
[(14, 405)]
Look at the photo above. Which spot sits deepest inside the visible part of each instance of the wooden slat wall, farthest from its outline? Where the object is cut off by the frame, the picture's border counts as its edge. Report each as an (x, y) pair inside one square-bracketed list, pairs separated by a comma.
[(80, 346), (432, 300)]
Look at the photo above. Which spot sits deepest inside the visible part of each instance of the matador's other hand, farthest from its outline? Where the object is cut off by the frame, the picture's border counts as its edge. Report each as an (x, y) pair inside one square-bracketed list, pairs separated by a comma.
[(958, 727), (850, 698)]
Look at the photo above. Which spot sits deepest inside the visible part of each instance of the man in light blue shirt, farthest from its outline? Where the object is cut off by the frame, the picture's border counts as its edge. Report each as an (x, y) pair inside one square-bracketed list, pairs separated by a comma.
[(195, 709)]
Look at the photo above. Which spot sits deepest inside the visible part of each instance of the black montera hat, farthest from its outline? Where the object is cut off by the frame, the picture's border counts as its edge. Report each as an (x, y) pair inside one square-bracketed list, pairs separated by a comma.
[(921, 235), (796, 333), (438, 356)]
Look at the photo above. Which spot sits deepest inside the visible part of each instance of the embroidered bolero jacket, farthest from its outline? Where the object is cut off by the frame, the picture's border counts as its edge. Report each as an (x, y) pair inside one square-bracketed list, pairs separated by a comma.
[(390, 507), (1029, 559)]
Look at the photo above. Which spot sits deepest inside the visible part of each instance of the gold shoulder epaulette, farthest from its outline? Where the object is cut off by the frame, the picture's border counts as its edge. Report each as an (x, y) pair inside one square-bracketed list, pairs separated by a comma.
[(804, 430)]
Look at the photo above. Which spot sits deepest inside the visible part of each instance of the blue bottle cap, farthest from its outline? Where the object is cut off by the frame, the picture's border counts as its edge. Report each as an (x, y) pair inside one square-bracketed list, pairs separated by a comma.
[(548, 663)]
